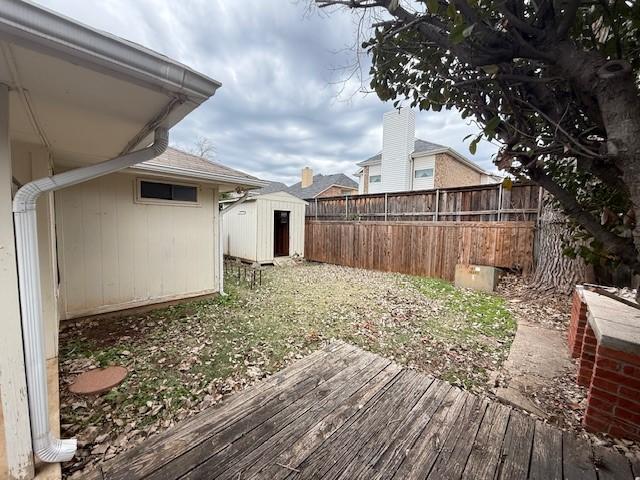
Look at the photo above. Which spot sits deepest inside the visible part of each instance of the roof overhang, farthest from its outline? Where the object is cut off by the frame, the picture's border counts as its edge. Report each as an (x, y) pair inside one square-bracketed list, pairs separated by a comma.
[(227, 182), (84, 94)]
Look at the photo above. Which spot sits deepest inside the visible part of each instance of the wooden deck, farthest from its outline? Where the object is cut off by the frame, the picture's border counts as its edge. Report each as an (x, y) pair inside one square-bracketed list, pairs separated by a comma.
[(345, 413)]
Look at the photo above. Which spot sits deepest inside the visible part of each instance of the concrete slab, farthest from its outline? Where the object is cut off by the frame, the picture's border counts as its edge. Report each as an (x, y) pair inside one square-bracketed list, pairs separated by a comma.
[(614, 324), (537, 355)]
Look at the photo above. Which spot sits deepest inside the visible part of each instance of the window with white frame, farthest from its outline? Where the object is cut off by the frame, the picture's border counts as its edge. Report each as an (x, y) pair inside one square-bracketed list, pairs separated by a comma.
[(152, 191), (375, 178), (424, 173)]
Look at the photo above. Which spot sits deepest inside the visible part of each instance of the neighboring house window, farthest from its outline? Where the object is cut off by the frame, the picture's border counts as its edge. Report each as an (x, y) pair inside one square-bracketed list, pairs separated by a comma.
[(424, 173), (375, 178), (160, 192)]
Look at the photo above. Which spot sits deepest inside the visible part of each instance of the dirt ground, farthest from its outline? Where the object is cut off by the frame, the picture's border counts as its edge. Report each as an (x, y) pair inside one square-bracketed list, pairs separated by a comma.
[(187, 357)]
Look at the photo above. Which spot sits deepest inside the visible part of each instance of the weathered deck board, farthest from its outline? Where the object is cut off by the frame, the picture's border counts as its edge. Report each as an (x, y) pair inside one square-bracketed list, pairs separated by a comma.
[(342, 413)]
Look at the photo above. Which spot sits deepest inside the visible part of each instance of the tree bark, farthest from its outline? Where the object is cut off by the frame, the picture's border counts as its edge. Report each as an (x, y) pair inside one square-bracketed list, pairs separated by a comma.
[(556, 272)]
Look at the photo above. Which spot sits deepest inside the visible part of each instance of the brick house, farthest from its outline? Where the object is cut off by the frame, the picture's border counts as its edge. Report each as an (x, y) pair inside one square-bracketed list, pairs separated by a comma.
[(407, 163)]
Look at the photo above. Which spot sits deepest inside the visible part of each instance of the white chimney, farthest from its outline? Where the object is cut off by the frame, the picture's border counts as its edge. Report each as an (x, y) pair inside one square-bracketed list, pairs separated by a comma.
[(398, 140)]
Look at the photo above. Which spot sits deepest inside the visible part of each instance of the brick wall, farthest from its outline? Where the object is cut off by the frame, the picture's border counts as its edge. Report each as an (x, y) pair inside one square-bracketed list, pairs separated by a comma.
[(577, 324), (613, 402), (452, 173), (611, 376)]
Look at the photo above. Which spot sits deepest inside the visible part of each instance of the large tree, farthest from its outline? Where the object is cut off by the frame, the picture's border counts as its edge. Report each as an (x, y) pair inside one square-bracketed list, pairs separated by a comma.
[(554, 82)]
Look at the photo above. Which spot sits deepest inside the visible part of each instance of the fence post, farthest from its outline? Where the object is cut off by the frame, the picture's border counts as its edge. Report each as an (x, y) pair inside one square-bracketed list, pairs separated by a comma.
[(346, 207), (385, 207), (500, 202), (316, 208), (435, 215)]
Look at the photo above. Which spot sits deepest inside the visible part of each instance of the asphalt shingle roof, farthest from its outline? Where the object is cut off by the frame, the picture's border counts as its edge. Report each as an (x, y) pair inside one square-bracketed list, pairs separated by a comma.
[(419, 146), (272, 187), (172, 157), (320, 184)]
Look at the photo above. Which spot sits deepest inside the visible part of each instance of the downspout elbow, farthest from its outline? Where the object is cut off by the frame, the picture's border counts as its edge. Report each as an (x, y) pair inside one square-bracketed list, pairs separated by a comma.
[(53, 450), (25, 198)]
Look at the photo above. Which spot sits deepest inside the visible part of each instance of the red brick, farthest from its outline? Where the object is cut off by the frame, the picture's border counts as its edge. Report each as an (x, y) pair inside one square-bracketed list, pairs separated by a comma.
[(628, 416), (618, 355), (629, 393), (596, 424), (601, 394), (602, 405), (617, 377), (605, 385), (608, 364), (632, 405), (616, 430)]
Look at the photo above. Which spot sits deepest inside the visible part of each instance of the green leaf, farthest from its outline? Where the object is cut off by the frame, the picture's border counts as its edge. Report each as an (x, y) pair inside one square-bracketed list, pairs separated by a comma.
[(473, 146), (433, 6), (490, 127)]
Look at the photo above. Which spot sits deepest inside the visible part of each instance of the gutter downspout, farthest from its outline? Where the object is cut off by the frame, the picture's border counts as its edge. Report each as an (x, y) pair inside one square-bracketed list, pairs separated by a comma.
[(47, 447), (223, 212)]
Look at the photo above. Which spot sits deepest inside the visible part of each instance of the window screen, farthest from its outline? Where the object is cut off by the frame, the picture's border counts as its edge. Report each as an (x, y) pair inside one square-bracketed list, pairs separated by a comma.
[(375, 178), (425, 172), (168, 191)]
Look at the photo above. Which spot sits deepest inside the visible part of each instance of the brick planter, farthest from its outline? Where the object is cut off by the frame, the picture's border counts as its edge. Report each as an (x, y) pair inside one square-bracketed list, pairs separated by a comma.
[(578, 323), (606, 333)]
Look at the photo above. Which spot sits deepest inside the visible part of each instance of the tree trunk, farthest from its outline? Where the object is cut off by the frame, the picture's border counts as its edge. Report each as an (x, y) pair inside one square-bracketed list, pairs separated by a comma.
[(556, 272)]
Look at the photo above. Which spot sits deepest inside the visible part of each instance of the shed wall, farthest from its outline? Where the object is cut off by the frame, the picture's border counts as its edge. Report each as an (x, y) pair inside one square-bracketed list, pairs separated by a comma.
[(116, 253), (265, 211), (240, 232)]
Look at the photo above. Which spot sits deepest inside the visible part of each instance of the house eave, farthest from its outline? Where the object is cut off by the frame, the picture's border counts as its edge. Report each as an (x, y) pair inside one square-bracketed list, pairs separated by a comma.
[(45, 30)]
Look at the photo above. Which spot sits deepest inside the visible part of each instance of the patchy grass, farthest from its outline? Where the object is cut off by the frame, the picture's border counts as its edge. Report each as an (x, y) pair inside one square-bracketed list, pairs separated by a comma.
[(184, 358)]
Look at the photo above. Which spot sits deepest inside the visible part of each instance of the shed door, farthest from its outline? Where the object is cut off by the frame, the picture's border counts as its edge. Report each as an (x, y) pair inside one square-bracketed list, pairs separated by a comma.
[(281, 233)]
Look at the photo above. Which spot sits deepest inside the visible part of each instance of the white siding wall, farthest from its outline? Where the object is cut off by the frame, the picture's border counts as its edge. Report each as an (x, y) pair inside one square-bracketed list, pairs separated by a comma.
[(239, 235), (398, 140), (266, 205), (421, 163), (375, 187), (115, 253)]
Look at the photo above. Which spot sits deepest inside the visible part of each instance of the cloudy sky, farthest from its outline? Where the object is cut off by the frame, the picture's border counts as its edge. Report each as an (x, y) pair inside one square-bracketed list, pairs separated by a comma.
[(284, 103)]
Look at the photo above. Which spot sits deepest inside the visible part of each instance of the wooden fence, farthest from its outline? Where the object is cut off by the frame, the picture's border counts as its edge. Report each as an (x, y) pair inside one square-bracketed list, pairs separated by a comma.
[(420, 248), (477, 203)]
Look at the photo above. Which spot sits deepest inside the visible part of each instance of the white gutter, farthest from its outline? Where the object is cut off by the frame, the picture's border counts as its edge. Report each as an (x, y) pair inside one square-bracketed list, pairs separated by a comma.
[(222, 213), (66, 38), (47, 447)]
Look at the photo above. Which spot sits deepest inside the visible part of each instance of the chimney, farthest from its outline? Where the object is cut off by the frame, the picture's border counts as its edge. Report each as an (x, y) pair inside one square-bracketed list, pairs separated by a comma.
[(398, 141), (307, 177)]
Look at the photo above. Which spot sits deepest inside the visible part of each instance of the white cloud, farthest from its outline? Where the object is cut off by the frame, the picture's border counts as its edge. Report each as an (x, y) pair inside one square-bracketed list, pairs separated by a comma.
[(280, 107)]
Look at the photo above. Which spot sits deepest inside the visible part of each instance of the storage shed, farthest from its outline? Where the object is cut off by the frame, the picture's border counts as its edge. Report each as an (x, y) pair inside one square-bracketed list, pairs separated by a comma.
[(264, 227)]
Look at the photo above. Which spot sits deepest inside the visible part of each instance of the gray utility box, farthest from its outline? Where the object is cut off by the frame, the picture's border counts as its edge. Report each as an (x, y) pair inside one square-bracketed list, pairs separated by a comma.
[(477, 277)]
